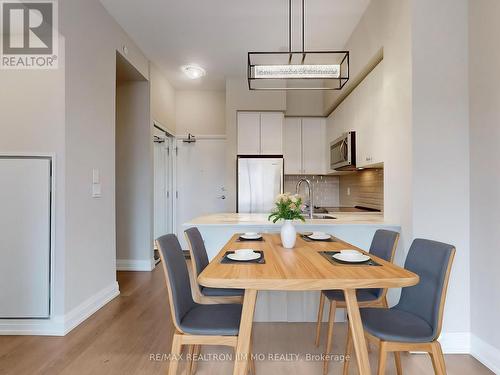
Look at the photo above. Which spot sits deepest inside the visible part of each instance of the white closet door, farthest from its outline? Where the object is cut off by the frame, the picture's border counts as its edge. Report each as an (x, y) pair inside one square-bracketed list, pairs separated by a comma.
[(292, 145), (271, 133), (24, 237)]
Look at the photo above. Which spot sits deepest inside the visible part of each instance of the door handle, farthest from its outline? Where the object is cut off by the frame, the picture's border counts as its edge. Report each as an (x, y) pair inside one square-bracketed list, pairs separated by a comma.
[(221, 197)]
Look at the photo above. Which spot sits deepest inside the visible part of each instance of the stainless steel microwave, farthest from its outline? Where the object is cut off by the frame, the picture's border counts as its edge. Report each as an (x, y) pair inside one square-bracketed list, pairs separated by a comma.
[(343, 152)]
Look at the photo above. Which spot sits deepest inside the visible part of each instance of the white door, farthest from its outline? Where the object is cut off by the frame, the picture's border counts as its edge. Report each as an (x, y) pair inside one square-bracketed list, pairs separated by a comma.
[(248, 133), (313, 150), (25, 201), (292, 145), (200, 181), (271, 133)]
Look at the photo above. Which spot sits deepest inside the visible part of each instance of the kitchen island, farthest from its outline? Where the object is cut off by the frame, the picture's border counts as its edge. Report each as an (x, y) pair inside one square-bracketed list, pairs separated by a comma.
[(356, 228)]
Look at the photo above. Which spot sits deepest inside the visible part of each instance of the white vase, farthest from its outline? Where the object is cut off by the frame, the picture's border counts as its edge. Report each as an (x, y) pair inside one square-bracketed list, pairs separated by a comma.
[(288, 234)]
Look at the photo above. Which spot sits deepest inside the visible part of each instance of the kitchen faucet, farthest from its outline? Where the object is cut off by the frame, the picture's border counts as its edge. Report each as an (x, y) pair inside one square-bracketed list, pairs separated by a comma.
[(311, 195)]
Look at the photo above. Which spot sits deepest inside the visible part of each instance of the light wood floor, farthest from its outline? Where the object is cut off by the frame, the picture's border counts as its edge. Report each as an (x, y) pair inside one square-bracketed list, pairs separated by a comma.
[(121, 337)]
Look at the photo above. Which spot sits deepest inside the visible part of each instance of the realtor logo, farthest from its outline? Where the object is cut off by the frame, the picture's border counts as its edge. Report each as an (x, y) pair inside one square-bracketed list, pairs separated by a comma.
[(29, 34)]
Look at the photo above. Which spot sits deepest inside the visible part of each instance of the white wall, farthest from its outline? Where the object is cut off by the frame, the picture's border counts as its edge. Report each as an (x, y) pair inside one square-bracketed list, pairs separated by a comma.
[(381, 105), (92, 38), (162, 100), (304, 103), (200, 112), (32, 121), (441, 141), (239, 97), (484, 84), (416, 104), (134, 177)]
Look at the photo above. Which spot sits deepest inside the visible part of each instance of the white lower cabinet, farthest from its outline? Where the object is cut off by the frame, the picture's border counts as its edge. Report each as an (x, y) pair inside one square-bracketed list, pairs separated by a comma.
[(304, 145)]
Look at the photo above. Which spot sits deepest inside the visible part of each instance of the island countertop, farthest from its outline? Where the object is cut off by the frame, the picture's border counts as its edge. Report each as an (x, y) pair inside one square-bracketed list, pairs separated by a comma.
[(245, 219)]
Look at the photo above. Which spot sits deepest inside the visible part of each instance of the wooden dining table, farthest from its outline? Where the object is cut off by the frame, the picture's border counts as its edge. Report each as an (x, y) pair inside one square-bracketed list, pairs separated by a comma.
[(302, 268)]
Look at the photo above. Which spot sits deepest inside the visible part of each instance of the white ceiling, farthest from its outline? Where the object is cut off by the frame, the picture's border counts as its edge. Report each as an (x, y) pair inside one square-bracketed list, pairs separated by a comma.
[(217, 34)]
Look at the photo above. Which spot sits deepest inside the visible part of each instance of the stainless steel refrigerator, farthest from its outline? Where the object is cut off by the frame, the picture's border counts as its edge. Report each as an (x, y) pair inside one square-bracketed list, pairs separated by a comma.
[(260, 180)]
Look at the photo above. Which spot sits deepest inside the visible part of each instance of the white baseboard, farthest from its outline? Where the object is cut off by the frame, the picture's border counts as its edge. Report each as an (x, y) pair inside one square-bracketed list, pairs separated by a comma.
[(134, 265), (89, 307), (485, 353), (455, 342), (60, 325)]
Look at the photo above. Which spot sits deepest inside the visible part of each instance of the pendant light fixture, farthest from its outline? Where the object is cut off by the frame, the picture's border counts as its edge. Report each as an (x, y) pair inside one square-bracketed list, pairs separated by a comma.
[(297, 70)]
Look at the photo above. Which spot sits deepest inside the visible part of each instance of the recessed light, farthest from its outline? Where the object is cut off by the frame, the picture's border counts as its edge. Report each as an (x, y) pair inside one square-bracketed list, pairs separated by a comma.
[(193, 71), (360, 168)]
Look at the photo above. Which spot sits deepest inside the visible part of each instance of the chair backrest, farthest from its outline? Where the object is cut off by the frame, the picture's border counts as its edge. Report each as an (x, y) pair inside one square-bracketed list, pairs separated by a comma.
[(384, 245), (177, 277), (197, 249), (431, 261)]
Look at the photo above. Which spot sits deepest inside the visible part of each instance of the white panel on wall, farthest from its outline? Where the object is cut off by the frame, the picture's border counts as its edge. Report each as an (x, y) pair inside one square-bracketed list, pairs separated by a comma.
[(25, 225)]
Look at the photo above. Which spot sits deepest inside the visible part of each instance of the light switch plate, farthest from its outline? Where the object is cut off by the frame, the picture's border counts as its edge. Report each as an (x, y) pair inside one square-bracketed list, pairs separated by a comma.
[(96, 190), (95, 176)]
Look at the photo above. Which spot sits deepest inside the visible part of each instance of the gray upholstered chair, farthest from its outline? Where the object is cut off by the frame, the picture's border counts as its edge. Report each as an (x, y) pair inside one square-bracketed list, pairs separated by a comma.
[(414, 324), (195, 324), (199, 260), (383, 245)]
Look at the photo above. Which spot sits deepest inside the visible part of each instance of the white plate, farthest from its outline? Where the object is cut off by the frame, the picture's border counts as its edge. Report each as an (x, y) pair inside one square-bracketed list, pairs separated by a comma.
[(351, 258), (319, 236), (251, 236), (243, 257)]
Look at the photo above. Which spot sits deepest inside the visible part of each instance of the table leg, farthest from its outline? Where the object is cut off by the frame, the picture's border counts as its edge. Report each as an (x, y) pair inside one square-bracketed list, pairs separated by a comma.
[(358, 336), (243, 346)]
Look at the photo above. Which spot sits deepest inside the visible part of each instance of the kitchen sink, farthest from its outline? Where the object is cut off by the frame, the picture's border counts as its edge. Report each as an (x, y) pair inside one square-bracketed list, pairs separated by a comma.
[(320, 216)]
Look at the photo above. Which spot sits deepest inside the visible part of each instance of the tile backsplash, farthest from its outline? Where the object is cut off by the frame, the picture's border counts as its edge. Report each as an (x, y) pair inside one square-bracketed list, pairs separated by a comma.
[(326, 189)]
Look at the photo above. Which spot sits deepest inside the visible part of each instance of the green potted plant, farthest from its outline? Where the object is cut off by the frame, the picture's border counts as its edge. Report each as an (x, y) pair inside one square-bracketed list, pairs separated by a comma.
[(288, 208)]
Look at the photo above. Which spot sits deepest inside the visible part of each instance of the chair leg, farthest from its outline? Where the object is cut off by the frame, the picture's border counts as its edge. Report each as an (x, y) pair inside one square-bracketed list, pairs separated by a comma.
[(437, 359), (320, 317), (331, 319), (348, 351), (397, 360), (175, 353), (382, 358)]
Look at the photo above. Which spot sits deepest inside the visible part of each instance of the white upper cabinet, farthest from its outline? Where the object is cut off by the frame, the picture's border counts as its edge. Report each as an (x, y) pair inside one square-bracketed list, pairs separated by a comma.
[(260, 133), (304, 145), (313, 145), (292, 145), (248, 133), (271, 133)]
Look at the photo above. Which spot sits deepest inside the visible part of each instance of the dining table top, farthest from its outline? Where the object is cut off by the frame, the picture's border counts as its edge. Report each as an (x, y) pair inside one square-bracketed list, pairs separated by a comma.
[(301, 268)]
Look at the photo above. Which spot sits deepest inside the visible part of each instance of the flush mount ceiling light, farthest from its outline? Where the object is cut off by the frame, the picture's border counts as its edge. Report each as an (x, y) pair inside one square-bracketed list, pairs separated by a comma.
[(193, 71), (297, 70)]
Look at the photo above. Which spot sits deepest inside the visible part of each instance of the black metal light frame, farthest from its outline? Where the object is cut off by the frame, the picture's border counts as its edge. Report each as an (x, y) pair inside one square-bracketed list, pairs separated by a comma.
[(328, 83)]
